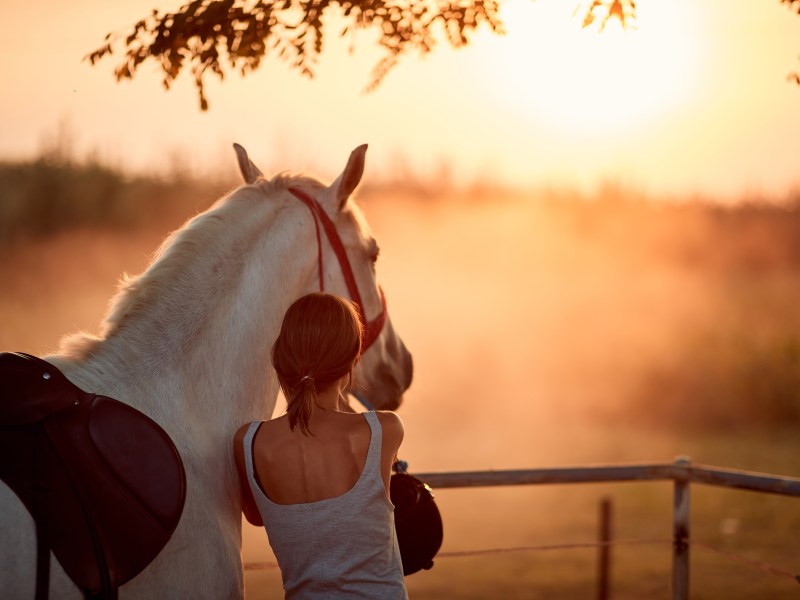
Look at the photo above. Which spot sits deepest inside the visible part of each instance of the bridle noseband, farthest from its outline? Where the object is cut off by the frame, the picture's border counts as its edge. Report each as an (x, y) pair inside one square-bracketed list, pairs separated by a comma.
[(373, 328)]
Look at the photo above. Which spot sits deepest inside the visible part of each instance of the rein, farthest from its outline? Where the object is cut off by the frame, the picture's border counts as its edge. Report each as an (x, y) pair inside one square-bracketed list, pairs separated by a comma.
[(373, 328)]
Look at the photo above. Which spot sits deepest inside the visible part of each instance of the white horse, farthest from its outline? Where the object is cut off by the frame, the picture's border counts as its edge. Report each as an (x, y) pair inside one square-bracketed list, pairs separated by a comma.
[(187, 342)]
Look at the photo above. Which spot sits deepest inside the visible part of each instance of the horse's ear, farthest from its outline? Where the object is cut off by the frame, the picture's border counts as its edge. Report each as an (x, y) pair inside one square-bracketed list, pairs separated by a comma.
[(348, 181), (250, 172)]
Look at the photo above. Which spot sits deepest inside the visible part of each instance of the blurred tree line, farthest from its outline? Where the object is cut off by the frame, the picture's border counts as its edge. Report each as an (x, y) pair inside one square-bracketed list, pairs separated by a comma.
[(53, 194)]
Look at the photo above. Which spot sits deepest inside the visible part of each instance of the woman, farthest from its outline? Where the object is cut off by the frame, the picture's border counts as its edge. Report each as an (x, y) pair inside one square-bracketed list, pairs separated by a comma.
[(318, 476)]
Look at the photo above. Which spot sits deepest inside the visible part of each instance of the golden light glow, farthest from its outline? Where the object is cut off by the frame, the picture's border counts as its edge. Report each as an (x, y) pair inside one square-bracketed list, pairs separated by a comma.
[(695, 100), (548, 68)]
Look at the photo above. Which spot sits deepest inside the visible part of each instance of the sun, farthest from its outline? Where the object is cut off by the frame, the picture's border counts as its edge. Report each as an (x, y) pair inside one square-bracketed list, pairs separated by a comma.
[(569, 79)]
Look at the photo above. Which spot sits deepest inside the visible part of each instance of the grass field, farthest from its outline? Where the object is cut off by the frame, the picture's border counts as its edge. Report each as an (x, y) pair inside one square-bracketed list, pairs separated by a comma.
[(547, 330)]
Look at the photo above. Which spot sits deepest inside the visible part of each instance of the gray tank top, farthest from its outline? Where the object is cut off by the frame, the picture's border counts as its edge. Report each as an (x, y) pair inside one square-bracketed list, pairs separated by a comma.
[(342, 547)]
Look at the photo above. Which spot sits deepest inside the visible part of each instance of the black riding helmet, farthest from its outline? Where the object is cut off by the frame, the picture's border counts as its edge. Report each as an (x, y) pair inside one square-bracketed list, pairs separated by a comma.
[(416, 518)]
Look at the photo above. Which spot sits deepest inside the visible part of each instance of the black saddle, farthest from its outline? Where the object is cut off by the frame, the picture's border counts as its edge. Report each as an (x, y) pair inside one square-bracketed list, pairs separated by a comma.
[(103, 482)]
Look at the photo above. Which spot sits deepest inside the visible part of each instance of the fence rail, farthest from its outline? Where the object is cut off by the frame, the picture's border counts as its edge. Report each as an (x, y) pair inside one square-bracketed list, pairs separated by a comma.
[(681, 472), (677, 471)]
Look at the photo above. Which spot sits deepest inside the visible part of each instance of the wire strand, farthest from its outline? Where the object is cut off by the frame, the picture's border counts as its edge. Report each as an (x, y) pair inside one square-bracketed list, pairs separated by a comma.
[(757, 564), (547, 547)]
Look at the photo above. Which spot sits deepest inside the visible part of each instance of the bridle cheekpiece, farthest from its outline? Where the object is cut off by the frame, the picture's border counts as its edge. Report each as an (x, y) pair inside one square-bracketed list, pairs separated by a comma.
[(373, 328)]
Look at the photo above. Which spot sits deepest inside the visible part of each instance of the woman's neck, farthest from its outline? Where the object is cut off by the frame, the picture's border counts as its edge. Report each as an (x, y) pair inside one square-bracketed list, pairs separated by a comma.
[(331, 398)]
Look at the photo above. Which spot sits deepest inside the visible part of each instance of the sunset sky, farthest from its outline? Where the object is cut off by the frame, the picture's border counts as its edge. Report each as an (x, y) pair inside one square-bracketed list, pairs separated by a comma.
[(695, 100)]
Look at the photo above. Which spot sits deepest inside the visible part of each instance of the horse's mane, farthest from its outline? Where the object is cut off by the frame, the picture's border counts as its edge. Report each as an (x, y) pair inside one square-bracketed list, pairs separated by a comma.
[(212, 233)]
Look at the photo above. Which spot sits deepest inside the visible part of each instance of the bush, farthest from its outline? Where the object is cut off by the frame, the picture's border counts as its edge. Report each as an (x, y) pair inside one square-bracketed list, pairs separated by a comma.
[(736, 380)]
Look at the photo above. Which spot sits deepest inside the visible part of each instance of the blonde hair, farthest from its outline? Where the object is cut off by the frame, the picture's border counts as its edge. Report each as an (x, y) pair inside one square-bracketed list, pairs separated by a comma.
[(319, 343)]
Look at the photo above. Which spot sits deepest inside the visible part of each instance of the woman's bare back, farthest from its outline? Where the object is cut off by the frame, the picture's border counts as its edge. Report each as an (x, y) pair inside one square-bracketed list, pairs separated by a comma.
[(294, 468)]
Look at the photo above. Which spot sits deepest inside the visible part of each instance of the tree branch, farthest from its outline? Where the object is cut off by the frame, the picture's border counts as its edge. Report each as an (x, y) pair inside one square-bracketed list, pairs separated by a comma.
[(208, 36)]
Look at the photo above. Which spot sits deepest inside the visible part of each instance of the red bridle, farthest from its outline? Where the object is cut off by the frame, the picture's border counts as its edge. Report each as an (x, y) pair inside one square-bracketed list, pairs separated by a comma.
[(372, 329)]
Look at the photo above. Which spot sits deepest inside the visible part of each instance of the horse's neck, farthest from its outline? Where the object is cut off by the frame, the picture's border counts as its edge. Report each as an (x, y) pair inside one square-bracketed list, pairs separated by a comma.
[(199, 350)]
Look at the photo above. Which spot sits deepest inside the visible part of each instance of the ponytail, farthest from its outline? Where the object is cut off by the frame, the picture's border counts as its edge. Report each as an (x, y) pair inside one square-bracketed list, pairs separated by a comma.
[(299, 409)]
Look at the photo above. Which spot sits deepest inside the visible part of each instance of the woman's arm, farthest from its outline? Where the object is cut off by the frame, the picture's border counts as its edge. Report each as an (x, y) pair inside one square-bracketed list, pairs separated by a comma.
[(249, 507), (393, 433)]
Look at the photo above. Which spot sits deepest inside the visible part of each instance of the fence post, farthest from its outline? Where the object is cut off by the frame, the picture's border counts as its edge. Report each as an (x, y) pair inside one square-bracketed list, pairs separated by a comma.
[(604, 552), (680, 532)]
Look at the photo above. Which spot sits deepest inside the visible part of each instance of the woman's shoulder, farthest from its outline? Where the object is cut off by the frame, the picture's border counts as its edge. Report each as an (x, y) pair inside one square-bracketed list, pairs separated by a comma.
[(389, 418), (238, 437), (238, 446), (241, 433), (391, 424), (274, 431)]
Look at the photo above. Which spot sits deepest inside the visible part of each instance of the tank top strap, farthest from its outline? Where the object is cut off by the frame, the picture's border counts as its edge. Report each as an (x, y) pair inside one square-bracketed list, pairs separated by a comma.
[(248, 450), (372, 466)]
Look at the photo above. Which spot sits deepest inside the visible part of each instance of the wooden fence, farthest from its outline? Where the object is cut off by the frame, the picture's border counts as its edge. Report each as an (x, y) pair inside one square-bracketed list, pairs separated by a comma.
[(682, 472)]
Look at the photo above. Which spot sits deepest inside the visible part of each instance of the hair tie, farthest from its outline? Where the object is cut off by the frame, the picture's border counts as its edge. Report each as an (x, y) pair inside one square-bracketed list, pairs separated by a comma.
[(304, 377)]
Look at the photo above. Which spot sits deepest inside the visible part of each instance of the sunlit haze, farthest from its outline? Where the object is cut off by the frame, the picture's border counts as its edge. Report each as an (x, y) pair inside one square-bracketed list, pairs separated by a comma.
[(564, 323), (694, 99)]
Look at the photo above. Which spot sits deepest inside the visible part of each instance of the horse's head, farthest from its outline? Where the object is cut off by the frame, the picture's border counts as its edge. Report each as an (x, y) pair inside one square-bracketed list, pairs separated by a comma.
[(347, 259)]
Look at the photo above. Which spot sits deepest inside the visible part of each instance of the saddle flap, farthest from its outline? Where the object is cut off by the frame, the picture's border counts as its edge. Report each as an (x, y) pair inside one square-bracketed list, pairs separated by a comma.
[(130, 480), (142, 456), (32, 389)]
